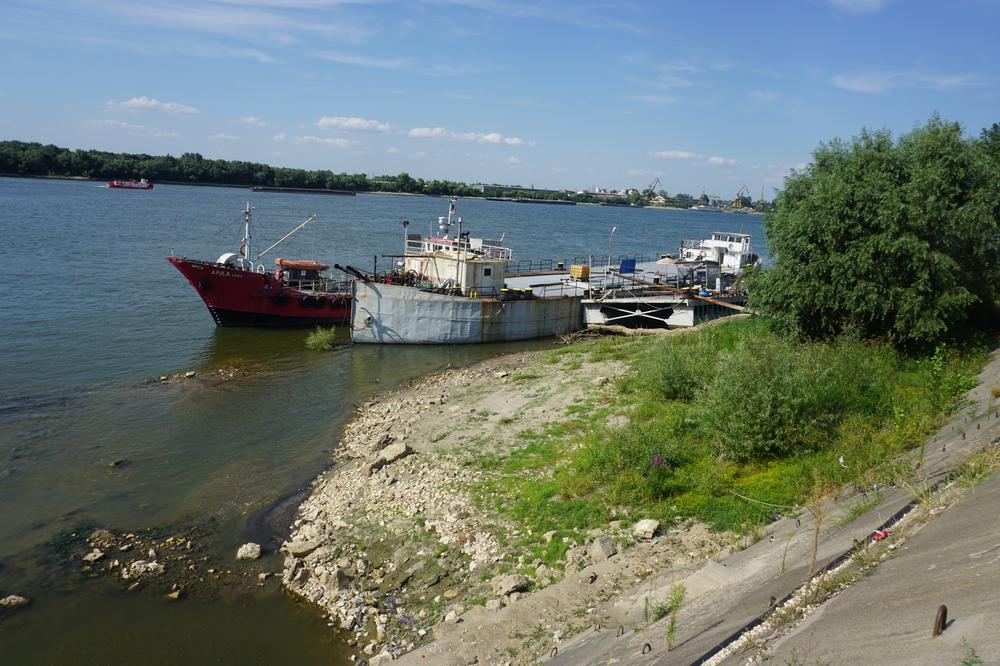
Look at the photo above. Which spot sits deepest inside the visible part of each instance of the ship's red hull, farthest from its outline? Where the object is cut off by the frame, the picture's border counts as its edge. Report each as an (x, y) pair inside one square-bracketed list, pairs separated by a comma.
[(237, 297)]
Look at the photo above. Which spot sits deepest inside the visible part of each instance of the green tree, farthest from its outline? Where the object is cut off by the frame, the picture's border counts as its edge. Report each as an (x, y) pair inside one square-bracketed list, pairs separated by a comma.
[(882, 239)]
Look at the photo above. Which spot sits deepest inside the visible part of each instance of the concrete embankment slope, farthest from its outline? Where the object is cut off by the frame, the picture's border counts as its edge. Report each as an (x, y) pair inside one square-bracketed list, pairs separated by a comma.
[(863, 625), (954, 560)]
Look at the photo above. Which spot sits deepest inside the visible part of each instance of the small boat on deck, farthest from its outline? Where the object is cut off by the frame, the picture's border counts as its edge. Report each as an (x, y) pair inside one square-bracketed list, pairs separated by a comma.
[(141, 184), (240, 291)]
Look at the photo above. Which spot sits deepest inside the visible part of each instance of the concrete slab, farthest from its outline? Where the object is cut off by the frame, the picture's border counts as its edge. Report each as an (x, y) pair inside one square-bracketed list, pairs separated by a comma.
[(954, 560)]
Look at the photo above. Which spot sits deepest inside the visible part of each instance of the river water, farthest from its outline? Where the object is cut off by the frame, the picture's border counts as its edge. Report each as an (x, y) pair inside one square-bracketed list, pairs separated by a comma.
[(92, 314)]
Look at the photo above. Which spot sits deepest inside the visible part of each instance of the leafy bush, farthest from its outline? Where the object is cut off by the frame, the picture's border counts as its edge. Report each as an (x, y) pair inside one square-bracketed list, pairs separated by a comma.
[(772, 397), (897, 241)]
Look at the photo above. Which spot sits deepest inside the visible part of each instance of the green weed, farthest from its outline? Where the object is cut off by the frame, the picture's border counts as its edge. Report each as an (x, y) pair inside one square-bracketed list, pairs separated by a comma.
[(322, 339), (674, 601)]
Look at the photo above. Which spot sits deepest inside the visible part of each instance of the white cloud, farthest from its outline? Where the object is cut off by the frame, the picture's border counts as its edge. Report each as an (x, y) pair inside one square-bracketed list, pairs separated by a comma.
[(366, 61), (452, 70), (514, 160), (676, 155), (880, 82), (222, 51), (214, 18), (689, 156), (479, 137), (676, 74), (419, 154), (353, 124), (655, 99), (391, 150), (644, 172), (340, 143), (132, 128), (429, 133), (859, 6), (225, 137), (763, 95), (253, 120), (145, 103), (280, 136)]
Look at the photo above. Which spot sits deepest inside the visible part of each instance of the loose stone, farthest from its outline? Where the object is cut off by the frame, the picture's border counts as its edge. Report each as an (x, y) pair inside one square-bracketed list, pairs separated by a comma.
[(93, 555), (646, 529), (602, 548), (13, 601)]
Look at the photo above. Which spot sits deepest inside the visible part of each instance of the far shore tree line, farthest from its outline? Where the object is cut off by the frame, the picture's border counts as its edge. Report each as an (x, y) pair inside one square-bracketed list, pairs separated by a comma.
[(19, 158)]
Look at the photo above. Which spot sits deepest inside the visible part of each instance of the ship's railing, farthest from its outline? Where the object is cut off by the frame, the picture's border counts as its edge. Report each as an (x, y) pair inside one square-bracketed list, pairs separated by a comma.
[(553, 290), (321, 285), (419, 246), (595, 261)]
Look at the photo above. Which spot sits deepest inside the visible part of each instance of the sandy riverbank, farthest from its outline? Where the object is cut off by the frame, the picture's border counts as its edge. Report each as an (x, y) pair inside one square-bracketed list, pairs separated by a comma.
[(393, 544)]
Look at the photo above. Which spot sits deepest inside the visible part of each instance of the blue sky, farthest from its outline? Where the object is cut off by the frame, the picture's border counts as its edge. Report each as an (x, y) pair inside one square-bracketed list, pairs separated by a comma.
[(703, 95)]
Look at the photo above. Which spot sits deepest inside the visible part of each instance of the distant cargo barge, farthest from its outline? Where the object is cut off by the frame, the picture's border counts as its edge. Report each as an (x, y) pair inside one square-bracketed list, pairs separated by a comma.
[(557, 202), (303, 190)]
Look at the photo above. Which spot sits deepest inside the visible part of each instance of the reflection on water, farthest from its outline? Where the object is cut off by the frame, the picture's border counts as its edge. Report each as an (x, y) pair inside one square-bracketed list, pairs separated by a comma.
[(104, 628)]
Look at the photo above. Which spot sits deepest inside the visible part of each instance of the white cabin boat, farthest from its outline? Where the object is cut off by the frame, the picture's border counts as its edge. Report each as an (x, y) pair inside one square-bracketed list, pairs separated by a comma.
[(731, 251)]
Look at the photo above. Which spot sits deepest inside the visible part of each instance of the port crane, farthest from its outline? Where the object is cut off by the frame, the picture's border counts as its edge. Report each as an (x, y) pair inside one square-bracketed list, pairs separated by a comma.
[(651, 189), (738, 200)]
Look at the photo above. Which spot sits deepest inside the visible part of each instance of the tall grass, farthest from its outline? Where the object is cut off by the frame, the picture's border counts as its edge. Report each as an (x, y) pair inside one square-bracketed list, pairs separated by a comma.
[(734, 412)]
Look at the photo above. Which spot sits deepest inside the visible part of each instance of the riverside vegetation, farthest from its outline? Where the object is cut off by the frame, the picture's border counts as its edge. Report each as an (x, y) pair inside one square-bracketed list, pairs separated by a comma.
[(721, 424)]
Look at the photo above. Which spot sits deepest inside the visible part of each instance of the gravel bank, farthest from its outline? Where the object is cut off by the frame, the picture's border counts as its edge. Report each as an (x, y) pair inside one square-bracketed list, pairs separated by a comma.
[(391, 544)]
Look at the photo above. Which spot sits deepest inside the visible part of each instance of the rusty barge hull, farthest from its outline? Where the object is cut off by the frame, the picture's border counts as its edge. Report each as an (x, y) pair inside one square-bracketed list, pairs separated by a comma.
[(394, 314)]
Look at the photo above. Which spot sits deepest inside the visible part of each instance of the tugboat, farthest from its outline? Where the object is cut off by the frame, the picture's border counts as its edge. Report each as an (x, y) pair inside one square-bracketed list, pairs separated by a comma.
[(240, 291), (142, 184)]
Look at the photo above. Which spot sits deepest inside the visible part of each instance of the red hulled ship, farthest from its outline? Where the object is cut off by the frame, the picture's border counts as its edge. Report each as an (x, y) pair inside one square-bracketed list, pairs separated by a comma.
[(130, 184), (242, 292)]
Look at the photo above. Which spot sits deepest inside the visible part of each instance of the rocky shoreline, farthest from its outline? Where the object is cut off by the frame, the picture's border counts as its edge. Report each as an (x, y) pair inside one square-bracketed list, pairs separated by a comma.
[(397, 547)]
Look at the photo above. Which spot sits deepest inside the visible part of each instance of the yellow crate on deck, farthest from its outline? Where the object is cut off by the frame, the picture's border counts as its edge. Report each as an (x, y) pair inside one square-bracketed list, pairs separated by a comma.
[(579, 272)]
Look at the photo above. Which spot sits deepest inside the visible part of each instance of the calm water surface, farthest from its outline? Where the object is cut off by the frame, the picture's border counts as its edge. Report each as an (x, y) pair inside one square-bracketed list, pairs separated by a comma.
[(92, 314)]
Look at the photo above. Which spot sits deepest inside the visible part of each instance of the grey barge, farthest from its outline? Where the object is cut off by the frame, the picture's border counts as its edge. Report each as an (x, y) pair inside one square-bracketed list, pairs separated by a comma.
[(453, 290)]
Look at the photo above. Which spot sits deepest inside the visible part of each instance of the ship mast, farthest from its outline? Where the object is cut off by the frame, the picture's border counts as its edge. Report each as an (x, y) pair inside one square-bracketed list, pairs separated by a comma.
[(245, 247)]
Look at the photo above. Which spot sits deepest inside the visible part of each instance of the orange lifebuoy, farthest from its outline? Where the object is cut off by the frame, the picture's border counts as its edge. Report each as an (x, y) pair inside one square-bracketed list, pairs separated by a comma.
[(301, 264)]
